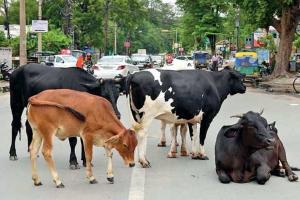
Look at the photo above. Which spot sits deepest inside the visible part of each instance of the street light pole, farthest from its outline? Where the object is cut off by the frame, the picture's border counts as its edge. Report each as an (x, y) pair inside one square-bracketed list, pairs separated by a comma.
[(23, 59), (176, 43), (40, 34), (237, 25), (115, 42)]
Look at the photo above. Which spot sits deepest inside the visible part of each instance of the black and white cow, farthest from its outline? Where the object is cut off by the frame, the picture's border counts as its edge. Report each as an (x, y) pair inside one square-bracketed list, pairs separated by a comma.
[(187, 96), (29, 80)]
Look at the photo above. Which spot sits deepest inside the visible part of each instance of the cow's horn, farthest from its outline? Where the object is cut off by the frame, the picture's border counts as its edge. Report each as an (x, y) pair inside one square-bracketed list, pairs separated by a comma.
[(237, 116), (261, 111)]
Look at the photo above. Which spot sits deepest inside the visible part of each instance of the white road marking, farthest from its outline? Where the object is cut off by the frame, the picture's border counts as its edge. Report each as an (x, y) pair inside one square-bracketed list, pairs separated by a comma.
[(294, 104), (137, 185)]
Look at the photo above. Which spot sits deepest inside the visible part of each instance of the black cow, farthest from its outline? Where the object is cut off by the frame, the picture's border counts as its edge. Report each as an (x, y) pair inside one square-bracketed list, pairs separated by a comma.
[(31, 79), (187, 96), (250, 149)]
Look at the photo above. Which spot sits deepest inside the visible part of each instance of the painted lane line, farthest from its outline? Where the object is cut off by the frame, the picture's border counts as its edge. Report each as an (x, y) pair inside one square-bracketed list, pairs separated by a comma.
[(294, 104), (137, 185)]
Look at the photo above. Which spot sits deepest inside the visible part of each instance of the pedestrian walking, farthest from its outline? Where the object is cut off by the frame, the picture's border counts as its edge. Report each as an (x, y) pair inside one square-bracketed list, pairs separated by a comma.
[(215, 60)]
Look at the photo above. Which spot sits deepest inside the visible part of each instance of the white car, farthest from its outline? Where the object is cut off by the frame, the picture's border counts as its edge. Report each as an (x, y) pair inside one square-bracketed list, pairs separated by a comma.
[(183, 61), (64, 61), (112, 66)]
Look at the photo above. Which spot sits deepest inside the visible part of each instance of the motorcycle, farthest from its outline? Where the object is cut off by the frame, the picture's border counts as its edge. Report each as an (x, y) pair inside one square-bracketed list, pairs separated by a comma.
[(5, 71)]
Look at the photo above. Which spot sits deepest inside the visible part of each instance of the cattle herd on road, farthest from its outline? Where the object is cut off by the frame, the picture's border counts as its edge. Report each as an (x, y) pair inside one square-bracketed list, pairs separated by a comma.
[(70, 103)]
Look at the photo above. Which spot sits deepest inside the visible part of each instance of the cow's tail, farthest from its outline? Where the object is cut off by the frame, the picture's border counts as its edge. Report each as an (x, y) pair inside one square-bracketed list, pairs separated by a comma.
[(295, 169), (35, 102)]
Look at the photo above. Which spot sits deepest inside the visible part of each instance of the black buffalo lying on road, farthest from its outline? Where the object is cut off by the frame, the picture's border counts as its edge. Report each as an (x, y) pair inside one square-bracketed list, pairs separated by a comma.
[(249, 150), (29, 80), (187, 96)]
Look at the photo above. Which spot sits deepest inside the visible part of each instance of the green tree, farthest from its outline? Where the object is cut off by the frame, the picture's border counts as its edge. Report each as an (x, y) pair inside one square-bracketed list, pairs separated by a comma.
[(281, 14)]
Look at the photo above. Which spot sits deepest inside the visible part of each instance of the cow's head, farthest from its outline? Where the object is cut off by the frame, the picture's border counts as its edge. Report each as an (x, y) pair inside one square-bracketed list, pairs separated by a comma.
[(108, 89), (125, 143), (253, 130), (236, 81)]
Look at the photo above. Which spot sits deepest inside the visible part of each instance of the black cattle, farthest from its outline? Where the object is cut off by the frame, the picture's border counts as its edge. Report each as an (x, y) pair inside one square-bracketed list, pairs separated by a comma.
[(250, 149), (31, 79), (187, 96)]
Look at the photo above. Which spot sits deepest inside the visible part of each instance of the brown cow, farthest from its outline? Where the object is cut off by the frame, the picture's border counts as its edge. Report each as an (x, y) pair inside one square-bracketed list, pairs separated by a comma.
[(67, 113)]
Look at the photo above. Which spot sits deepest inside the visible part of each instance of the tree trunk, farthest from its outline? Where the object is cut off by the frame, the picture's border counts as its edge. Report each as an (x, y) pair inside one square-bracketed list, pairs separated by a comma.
[(212, 41), (287, 28), (23, 54)]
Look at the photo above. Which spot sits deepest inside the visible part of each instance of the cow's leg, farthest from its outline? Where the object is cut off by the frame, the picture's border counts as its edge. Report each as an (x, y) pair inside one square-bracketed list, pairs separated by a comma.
[(47, 153), (141, 136), (34, 149), (88, 146), (162, 142), (263, 174), (282, 157), (173, 148), (278, 171), (16, 128), (203, 131), (29, 133), (183, 130), (73, 160), (109, 172), (195, 143)]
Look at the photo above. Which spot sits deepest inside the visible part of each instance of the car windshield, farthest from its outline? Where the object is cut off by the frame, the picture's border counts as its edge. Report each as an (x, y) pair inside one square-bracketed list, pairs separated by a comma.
[(111, 59), (140, 57), (69, 58)]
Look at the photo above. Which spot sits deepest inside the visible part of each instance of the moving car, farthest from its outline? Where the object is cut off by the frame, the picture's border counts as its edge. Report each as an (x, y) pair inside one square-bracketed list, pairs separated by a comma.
[(142, 61), (158, 60), (113, 66), (201, 59), (64, 61), (183, 61)]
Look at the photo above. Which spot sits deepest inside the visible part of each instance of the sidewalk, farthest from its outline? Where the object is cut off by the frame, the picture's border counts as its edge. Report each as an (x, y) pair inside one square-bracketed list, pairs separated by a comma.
[(279, 85)]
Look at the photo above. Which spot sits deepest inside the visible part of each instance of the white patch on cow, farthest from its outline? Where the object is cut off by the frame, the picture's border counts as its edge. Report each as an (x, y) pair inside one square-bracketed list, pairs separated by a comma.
[(156, 75), (170, 89)]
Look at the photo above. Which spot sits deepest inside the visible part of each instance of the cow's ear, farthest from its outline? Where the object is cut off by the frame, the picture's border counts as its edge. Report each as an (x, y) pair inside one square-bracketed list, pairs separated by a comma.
[(272, 125), (113, 140), (232, 131)]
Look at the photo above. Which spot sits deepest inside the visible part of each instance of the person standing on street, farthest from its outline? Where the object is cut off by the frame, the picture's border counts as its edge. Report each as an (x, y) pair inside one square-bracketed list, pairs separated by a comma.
[(215, 60), (81, 60)]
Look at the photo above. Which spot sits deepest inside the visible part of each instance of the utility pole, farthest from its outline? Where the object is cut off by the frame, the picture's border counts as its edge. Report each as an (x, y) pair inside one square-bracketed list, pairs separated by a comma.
[(115, 43), (237, 25), (40, 34), (23, 55), (6, 23), (106, 17)]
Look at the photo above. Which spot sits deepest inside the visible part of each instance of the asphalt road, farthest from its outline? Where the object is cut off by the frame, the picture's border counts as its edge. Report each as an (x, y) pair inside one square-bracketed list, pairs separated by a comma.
[(168, 179)]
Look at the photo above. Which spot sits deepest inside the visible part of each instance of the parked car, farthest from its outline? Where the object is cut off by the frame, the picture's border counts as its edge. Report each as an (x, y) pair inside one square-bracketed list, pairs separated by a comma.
[(64, 61), (183, 61), (113, 66), (158, 60), (142, 61)]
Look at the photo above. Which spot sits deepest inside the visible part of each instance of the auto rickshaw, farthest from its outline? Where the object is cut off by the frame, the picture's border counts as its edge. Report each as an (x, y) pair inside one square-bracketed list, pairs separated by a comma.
[(247, 63), (201, 59)]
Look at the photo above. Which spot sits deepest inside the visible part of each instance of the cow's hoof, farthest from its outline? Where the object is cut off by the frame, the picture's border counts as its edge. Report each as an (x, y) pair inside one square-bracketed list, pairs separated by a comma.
[(60, 185), (110, 180), (199, 157), (74, 166), (13, 158), (184, 153), (171, 155), (145, 164), (38, 184), (162, 144), (293, 177), (94, 181)]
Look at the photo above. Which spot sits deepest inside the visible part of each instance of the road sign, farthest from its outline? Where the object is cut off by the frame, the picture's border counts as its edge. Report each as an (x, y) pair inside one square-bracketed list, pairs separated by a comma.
[(39, 26)]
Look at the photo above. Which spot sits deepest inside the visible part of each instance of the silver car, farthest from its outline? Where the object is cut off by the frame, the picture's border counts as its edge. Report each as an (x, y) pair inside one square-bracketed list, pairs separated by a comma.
[(113, 66)]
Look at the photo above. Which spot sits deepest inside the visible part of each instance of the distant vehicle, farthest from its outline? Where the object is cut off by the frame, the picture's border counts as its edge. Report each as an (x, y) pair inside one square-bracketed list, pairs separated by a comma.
[(142, 61), (114, 66), (64, 61), (158, 60), (44, 56), (201, 59), (76, 53), (183, 61)]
